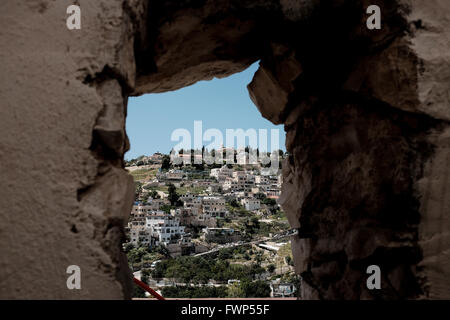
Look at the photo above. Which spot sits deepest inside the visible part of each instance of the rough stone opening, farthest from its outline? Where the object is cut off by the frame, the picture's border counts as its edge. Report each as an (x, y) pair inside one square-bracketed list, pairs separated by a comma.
[(220, 105)]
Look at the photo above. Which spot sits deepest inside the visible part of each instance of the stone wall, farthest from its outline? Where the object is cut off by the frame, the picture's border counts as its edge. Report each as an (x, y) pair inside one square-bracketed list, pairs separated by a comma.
[(366, 113), (65, 193), (359, 185)]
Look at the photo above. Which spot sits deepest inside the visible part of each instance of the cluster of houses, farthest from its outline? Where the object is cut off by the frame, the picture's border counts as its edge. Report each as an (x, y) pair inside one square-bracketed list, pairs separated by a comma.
[(155, 158), (248, 182), (150, 225), (221, 235), (201, 210), (210, 193)]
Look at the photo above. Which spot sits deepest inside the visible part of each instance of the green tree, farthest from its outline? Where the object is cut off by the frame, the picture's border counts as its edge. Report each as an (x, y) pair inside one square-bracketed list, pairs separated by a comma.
[(260, 196), (137, 187), (166, 208), (269, 202), (224, 254), (258, 260), (235, 291), (234, 203), (173, 197), (192, 152), (128, 247), (138, 292), (289, 261), (251, 225), (154, 195), (135, 255), (255, 289), (165, 162)]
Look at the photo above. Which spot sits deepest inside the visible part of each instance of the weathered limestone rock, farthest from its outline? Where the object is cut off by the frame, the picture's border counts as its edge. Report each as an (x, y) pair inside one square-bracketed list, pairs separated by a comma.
[(271, 86), (110, 127), (57, 88), (430, 41), (434, 236), (366, 114), (190, 41)]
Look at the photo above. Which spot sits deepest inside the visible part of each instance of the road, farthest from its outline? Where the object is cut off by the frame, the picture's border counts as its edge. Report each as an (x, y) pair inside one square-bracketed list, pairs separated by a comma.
[(278, 236)]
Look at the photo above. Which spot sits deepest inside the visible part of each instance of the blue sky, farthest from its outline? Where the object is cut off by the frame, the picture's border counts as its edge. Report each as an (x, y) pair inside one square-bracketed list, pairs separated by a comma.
[(219, 103)]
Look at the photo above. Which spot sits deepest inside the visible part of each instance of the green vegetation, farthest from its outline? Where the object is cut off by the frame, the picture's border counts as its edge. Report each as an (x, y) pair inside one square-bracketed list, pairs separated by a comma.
[(244, 289), (279, 215), (284, 255), (137, 188), (138, 292), (165, 162), (249, 289), (166, 208), (144, 174), (254, 289), (195, 231), (154, 195), (269, 202), (159, 188), (201, 270), (195, 273), (266, 228), (195, 292), (251, 227), (143, 256), (234, 204), (135, 161), (173, 197), (236, 209), (193, 190)]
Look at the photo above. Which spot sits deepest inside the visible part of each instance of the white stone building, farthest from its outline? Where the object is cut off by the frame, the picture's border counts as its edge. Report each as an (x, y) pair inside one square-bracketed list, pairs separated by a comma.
[(164, 227), (221, 174), (251, 204)]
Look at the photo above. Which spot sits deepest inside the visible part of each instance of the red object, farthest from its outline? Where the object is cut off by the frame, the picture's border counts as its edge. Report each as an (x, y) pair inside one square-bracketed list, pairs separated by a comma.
[(148, 289)]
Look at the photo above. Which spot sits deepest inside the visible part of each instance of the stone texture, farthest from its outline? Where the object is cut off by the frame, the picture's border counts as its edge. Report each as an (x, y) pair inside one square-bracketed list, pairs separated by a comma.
[(271, 85), (59, 87), (365, 112), (434, 236), (430, 41), (190, 41)]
